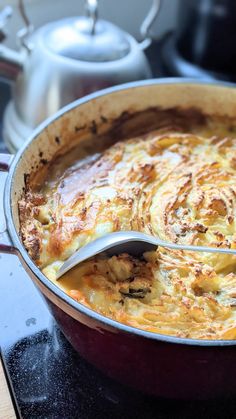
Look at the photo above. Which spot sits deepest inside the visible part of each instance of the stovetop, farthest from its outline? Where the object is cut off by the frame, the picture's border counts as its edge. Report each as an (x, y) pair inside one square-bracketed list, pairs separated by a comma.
[(48, 379)]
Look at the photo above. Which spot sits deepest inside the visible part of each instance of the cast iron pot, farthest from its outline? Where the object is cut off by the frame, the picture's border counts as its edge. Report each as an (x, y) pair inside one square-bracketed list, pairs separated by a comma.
[(156, 364)]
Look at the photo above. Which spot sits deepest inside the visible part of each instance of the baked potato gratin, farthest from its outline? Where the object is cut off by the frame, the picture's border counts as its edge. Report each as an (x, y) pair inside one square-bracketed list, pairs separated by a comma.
[(177, 182)]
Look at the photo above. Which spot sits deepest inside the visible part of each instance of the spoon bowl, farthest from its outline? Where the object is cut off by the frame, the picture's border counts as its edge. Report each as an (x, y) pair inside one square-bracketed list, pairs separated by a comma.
[(132, 242)]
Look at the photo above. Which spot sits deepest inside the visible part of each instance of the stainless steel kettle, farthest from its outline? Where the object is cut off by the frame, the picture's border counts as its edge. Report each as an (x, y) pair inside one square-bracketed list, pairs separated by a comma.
[(65, 60)]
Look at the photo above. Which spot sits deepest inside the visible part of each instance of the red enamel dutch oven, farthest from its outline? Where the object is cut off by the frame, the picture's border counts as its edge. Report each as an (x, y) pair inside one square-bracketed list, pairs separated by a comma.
[(156, 364)]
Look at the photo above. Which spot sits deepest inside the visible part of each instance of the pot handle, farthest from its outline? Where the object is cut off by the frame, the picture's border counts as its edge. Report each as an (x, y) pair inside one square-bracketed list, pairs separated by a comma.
[(6, 245)]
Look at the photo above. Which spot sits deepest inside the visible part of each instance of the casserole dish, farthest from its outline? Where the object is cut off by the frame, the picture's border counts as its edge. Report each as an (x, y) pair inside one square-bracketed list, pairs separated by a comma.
[(157, 364)]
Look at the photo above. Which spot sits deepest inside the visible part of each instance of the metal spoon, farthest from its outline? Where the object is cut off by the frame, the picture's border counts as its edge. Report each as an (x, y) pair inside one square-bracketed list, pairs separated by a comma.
[(131, 242)]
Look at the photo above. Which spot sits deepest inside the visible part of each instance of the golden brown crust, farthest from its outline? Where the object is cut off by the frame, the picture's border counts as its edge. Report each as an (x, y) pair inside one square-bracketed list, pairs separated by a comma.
[(176, 185), (30, 234)]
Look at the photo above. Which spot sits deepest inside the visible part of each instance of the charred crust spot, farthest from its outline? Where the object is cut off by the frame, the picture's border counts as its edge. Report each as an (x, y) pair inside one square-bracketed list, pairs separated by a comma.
[(77, 129), (26, 179), (200, 228), (135, 293), (93, 127), (125, 116), (83, 213), (103, 119), (232, 128), (44, 161)]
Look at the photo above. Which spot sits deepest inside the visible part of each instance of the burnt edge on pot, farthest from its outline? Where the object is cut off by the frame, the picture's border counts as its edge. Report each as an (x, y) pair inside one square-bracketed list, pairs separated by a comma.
[(128, 124)]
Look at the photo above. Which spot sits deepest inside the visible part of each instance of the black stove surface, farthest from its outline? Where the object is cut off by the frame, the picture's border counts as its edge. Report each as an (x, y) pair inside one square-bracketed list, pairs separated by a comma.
[(49, 379)]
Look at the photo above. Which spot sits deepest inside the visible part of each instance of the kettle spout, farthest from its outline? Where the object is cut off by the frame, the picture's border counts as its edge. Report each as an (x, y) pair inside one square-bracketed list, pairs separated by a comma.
[(11, 63)]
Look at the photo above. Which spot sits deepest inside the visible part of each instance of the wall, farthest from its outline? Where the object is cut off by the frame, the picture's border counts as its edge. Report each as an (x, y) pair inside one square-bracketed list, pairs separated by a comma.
[(126, 13)]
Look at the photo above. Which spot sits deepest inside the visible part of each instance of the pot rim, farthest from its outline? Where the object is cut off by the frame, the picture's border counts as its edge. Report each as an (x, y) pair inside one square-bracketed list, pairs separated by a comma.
[(39, 276)]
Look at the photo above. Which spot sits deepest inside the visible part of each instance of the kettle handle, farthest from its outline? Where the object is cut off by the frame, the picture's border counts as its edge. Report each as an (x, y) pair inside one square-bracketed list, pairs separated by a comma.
[(5, 14), (27, 30), (11, 62), (147, 23)]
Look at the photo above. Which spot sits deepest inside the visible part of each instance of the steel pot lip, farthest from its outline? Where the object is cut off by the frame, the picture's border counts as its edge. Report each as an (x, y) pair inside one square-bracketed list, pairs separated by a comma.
[(46, 283)]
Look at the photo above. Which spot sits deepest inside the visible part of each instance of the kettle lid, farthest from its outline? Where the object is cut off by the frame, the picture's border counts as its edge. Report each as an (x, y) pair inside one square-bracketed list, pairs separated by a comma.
[(75, 38)]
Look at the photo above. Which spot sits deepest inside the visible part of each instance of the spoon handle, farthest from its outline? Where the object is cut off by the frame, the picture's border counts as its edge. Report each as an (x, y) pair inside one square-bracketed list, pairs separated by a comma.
[(195, 248)]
